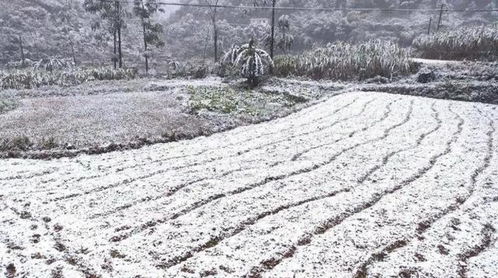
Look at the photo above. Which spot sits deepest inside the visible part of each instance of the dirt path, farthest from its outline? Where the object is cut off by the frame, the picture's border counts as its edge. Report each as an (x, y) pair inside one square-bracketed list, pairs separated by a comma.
[(364, 184)]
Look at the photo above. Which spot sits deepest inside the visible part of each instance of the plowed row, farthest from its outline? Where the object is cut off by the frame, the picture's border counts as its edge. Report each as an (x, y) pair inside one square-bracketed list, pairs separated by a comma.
[(364, 184)]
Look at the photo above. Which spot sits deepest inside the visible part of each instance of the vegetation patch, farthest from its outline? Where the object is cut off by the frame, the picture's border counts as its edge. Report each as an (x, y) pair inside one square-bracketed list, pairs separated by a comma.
[(344, 61), (240, 101), (7, 104), (455, 90), (479, 43), (35, 78)]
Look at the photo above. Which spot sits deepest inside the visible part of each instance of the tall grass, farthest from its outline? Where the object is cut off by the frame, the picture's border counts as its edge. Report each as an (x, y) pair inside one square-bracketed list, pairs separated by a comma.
[(463, 43), (344, 61), (33, 78)]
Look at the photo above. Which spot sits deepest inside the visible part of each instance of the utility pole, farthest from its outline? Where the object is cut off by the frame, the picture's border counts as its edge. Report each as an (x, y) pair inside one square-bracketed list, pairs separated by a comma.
[(440, 17), (430, 25), (213, 8), (272, 42)]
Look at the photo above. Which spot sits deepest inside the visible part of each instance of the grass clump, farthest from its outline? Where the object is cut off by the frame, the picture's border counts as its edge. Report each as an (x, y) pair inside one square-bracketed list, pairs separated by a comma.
[(20, 143), (344, 61), (35, 78), (7, 104), (479, 43)]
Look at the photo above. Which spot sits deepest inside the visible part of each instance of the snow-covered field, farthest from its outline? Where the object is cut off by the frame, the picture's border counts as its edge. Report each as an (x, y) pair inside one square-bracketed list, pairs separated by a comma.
[(362, 185)]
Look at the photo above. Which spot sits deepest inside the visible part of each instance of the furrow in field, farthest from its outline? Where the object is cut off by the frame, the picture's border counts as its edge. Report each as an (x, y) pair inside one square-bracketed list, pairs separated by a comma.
[(486, 242), (269, 264), (426, 224), (385, 159), (175, 189), (197, 162), (213, 242), (275, 129), (351, 134), (201, 203)]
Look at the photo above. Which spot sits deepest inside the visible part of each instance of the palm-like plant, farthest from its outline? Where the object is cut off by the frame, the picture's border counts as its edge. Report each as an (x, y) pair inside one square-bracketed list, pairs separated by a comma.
[(252, 62)]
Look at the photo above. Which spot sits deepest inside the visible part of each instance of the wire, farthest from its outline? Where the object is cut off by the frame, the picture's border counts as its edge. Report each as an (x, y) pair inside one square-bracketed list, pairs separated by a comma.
[(288, 8)]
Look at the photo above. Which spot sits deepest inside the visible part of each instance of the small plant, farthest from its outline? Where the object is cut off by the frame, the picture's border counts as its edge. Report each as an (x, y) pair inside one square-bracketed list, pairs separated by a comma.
[(252, 62)]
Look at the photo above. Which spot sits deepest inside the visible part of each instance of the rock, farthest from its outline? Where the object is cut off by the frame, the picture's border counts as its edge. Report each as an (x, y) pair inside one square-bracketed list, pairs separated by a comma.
[(25, 215)]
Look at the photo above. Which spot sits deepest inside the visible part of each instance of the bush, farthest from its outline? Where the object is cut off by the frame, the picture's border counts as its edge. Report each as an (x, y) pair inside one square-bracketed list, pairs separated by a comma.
[(52, 64), (344, 61), (7, 103), (479, 43), (190, 69), (28, 79)]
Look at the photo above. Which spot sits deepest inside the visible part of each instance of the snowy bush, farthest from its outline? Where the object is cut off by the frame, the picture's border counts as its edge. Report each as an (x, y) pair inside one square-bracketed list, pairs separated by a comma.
[(52, 64), (251, 62), (28, 79), (196, 69), (346, 61), (463, 43)]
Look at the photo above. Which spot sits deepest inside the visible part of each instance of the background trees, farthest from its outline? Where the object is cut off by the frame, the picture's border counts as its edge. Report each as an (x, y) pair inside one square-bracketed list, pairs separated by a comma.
[(113, 14), (145, 9)]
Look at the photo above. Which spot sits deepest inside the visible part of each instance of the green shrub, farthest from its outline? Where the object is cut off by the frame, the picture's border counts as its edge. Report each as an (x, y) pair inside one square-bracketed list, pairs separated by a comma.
[(213, 99), (344, 61), (463, 43)]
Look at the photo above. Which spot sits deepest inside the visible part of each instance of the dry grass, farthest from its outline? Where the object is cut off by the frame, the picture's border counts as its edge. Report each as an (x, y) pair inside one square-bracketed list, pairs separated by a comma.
[(464, 43), (33, 78), (343, 61)]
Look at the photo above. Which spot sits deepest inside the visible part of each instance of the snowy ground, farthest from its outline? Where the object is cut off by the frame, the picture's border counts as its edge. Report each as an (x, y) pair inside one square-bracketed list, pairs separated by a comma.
[(362, 185)]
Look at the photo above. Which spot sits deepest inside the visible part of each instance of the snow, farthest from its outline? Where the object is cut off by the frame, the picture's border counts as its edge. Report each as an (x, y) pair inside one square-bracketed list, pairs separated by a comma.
[(363, 183)]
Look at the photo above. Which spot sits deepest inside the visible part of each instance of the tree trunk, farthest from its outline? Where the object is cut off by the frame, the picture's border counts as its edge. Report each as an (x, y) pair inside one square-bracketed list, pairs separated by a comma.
[(22, 51), (118, 27), (72, 51), (146, 55), (215, 34), (120, 49), (114, 58)]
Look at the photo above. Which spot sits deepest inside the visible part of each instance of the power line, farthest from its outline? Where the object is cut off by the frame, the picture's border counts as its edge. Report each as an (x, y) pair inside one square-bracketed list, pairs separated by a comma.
[(289, 8)]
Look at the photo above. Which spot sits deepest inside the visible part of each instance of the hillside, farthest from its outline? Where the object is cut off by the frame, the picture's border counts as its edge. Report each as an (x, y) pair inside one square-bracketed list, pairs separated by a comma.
[(310, 27), (51, 28)]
